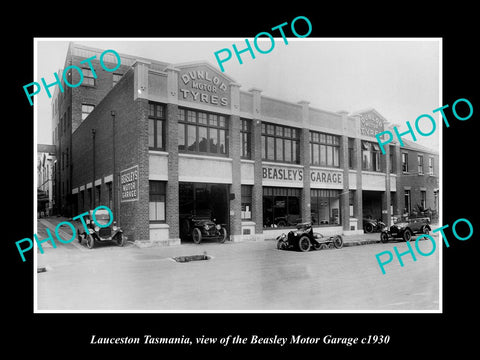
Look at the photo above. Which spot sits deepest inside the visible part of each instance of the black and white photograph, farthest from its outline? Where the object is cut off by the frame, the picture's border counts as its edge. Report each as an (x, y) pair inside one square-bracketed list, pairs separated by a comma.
[(260, 188), (269, 183)]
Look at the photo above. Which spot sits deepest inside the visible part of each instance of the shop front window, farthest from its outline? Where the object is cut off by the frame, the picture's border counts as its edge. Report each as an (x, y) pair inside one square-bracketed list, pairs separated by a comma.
[(156, 201), (281, 207), (325, 207), (246, 202)]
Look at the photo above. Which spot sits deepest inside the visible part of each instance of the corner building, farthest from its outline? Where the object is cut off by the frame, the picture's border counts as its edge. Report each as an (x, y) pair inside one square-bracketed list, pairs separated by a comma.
[(171, 140)]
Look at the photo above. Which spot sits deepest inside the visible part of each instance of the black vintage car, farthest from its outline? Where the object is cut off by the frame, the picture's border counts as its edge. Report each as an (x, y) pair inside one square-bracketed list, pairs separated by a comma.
[(406, 228), (202, 227), (304, 239), (97, 234)]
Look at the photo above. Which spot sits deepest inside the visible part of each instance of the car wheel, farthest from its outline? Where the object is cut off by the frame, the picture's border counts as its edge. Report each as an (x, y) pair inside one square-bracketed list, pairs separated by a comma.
[(426, 230), (368, 228), (197, 236), (407, 235), (120, 240), (90, 241), (338, 242), (383, 237), (304, 244), (281, 245), (282, 223), (224, 234)]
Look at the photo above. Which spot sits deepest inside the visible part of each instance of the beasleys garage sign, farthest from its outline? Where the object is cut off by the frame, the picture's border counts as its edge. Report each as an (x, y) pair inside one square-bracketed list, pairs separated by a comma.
[(202, 85), (286, 174), (129, 184)]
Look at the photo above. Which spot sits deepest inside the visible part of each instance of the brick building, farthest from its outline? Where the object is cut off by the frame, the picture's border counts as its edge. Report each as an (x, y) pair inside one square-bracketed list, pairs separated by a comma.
[(156, 142)]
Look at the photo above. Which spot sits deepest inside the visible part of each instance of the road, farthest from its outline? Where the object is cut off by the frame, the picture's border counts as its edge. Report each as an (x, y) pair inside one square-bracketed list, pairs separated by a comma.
[(239, 276)]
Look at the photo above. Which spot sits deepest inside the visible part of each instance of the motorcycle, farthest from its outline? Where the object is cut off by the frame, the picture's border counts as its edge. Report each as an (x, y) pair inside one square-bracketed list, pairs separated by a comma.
[(304, 239)]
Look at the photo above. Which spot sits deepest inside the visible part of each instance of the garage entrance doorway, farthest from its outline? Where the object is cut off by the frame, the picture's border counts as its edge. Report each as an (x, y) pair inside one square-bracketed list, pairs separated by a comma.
[(202, 200)]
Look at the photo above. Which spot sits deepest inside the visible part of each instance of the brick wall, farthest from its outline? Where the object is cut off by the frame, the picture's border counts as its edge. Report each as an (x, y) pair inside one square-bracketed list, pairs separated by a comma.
[(131, 148)]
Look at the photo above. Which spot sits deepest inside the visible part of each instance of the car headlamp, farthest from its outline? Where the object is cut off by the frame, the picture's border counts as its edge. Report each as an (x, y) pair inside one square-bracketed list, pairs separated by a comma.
[(206, 227), (114, 228), (218, 227), (90, 231), (97, 228)]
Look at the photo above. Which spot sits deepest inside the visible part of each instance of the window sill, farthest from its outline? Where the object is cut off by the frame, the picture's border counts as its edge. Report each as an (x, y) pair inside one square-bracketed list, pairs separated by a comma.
[(201, 156), (158, 225)]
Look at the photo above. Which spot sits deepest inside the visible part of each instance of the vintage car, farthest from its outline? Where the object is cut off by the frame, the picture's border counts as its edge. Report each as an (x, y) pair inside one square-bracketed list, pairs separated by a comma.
[(406, 228), (97, 234), (202, 227), (370, 225), (304, 239)]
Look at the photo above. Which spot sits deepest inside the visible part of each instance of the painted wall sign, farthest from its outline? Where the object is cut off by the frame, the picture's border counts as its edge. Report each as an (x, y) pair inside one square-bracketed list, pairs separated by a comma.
[(370, 124), (289, 175), (129, 184), (202, 85), (281, 173), (326, 177)]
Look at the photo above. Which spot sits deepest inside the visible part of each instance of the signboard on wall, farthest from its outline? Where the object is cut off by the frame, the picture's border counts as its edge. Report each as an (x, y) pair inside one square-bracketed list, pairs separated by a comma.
[(203, 85), (282, 175), (129, 184), (370, 124)]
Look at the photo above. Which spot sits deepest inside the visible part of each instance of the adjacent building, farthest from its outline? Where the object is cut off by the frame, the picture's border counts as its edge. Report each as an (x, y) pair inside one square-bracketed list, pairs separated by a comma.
[(158, 142)]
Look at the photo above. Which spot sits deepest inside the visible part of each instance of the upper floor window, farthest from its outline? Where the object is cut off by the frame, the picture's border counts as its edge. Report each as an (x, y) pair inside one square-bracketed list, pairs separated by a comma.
[(430, 165), (245, 139), (404, 162), (324, 149), (88, 78), (420, 164), (202, 132), (86, 110), (116, 78), (156, 126), (280, 143), (370, 156)]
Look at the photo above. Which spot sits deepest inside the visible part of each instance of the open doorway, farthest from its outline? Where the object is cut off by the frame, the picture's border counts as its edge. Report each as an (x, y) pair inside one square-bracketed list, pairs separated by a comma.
[(202, 200)]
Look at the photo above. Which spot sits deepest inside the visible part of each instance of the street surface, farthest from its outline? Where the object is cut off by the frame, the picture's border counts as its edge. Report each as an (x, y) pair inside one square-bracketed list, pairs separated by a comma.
[(239, 276)]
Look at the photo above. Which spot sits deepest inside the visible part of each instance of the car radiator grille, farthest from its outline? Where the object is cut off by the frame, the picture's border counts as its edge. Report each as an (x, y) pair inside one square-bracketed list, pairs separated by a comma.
[(105, 232)]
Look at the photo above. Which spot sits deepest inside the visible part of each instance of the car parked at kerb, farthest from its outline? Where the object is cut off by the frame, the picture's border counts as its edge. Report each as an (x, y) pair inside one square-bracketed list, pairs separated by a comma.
[(406, 228), (97, 234), (304, 239)]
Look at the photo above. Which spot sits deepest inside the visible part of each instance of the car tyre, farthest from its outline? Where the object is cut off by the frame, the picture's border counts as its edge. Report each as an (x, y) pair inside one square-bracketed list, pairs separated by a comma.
[(368, 228), (90, 241), (197, 236), (426, 230), (338, 242), (407, 235), (223, 231), (383, 237), (281, 223), (281, 245), (304, 244), (120, 240)]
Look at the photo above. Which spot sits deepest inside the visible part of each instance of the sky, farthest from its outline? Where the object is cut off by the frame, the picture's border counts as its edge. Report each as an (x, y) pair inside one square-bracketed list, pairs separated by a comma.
[(400, 78)]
